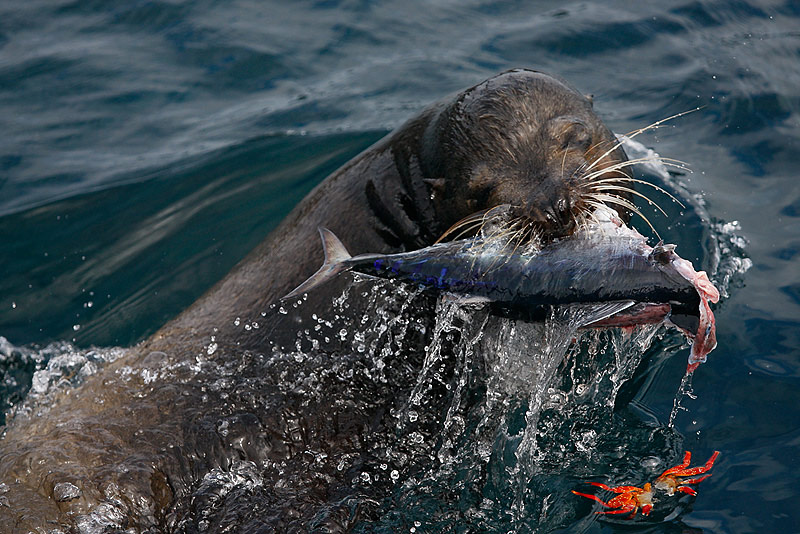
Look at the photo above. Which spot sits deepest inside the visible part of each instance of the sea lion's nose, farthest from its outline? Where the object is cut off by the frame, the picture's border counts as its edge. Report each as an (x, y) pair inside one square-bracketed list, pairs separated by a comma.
[(552, 216), (562, 219)]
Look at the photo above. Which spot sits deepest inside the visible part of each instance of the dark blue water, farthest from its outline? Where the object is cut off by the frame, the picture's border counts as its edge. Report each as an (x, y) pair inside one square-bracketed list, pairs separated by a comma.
[(147, 146)]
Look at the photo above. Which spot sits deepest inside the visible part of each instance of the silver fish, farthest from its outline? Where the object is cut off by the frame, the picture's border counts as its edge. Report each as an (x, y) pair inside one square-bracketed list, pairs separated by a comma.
[(607, 263)]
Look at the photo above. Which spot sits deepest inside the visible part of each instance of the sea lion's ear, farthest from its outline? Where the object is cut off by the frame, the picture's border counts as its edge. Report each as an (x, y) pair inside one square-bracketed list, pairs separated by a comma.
[(590, 98)]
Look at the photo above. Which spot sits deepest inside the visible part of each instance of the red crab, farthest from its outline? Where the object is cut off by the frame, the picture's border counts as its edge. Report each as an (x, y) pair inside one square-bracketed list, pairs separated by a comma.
[(632, 498)]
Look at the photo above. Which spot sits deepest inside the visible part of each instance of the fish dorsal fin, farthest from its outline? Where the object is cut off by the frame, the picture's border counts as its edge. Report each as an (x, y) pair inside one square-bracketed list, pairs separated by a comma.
[(336, 257)]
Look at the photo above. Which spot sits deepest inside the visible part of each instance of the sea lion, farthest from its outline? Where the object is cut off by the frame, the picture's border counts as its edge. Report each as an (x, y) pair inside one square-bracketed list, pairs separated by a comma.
[(142, 444)]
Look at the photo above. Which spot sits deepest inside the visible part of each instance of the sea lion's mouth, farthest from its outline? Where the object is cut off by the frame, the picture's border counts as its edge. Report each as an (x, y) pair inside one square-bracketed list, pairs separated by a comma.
[(556, 220)]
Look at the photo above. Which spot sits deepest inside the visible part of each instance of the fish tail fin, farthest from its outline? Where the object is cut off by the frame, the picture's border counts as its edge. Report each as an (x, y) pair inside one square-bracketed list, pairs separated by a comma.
[(336, 257)]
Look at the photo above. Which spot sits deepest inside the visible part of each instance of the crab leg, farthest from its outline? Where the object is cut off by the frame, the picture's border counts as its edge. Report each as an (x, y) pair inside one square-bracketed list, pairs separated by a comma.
[(681, 471), (621, 511), (593, 497), (696, 480), (618, 489), (701, 469), (687, 458)]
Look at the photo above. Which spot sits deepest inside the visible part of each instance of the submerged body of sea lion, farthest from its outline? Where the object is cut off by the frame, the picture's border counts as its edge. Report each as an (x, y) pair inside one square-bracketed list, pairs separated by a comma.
[(150, 442)]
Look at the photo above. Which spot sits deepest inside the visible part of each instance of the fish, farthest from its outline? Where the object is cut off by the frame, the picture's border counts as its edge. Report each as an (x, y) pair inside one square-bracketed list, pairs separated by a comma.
[(608, 265)]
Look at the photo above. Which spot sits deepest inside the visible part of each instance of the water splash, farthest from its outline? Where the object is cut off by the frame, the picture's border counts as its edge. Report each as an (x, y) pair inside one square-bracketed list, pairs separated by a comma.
[(33, 376), (494, 406), (684, 390)]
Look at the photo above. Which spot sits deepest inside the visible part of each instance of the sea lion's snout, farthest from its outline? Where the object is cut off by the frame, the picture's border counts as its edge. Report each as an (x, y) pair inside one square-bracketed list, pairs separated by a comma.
[(551, 211), (555, 201)]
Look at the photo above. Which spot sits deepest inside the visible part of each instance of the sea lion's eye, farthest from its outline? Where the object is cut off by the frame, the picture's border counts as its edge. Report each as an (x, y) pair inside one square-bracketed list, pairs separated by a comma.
[(571, 132), (576, 135)]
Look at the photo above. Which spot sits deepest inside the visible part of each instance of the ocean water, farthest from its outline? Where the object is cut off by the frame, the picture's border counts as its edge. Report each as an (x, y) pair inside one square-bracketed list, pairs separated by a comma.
[(147, 146)]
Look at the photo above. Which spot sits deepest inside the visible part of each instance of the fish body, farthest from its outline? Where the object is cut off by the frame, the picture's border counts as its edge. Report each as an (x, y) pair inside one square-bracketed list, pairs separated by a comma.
[(610, 263), (564, 272)]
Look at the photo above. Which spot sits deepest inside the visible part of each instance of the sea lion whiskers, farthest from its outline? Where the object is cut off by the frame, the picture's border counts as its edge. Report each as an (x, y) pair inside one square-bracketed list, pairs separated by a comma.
[(474, 227), (612, 187), (590, 177), (591, 186), (595, 181), (598, 184), (634, 133), (500, 233), (667, 162), (506, 234), (529, 236), (516, 237), (602, 198), (621, 176), (479, 219)]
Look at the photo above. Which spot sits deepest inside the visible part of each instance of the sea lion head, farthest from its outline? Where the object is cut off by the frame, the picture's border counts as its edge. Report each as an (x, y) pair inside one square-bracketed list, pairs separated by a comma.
[(526, 139)]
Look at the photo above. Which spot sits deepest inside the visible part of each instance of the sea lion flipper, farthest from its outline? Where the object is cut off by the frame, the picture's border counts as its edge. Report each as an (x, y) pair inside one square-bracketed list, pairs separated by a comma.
[(336, 257)]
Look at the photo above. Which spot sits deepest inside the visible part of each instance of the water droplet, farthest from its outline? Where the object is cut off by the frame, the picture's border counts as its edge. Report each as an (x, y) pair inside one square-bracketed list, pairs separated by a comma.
[(76, 327), (13, 305), (212, 348), (394, 475), (237, 322), (651, 463)]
